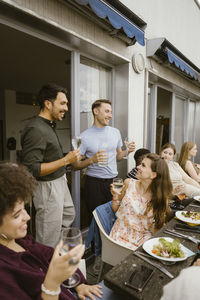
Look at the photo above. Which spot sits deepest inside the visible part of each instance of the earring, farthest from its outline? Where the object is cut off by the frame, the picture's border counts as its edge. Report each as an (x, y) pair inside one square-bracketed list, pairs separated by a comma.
[(4, 236)]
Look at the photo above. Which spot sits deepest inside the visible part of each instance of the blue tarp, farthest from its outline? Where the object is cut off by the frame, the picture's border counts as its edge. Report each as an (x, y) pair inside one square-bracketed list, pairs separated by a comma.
[(181, 64), (117, 20)]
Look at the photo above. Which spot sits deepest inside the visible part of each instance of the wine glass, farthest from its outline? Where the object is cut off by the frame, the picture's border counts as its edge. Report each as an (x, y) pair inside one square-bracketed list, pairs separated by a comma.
[(71, 237), (76, 142), (126, 142), (118, 184)]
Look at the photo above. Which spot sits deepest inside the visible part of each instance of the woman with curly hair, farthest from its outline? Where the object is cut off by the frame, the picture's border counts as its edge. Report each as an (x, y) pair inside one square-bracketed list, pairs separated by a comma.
[(28, 269), (189, 150), (142, 206)]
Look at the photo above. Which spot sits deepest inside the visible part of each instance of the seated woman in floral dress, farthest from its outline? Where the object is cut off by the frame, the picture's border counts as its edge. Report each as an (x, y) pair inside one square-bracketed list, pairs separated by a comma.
[(142, 206)]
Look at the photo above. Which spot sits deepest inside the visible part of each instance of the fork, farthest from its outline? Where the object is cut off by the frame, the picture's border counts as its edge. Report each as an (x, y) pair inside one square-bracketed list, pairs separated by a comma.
[(164, 262), (178, 234)]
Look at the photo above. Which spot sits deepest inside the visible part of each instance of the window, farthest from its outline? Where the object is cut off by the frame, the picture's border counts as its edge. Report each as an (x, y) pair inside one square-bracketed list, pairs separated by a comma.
[(95, 83)]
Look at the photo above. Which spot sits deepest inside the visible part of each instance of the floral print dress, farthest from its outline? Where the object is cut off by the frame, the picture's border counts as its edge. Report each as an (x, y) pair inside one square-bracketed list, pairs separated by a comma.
[(132, 226)]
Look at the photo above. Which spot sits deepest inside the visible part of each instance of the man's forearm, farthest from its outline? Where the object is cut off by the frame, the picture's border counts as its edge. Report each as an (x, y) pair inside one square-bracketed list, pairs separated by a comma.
[(81, 164), (48, 168)]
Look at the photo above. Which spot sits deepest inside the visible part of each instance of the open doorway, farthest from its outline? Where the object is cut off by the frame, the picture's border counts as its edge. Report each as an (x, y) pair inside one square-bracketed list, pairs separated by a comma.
[(27, 63), (164, 99)]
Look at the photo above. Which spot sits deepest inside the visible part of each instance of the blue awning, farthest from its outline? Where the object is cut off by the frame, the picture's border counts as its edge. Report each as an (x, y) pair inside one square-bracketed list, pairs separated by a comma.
[(104, 10), (181, 64)]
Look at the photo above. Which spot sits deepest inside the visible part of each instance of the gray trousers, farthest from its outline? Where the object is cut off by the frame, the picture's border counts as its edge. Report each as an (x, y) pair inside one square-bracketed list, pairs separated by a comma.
[(54, 210)]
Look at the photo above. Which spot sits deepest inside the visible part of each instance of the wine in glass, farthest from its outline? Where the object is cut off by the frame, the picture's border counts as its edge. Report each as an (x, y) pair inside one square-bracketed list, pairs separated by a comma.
[(118, 184), (71, 237), (126, 142), (76, 142)]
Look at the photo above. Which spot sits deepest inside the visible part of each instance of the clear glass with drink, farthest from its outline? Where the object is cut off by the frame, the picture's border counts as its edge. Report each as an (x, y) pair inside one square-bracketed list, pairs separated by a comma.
[(76, 142), (118, 184), (103, 156), (71, 237), (126, 142)]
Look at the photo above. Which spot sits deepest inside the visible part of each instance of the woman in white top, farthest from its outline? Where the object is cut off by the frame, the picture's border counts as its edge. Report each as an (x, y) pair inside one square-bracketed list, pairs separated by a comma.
[(189, 150), (182, 183)]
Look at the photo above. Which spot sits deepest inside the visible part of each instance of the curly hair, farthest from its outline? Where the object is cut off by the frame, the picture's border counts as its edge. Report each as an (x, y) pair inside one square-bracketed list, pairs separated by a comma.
[(184, 154), (161, 190), (16, 183)]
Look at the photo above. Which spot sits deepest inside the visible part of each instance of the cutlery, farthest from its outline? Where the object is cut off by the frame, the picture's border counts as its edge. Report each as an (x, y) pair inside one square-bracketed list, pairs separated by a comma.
[(187, 228), (194, 205), (178, 234), (161, 268), (164, 262)]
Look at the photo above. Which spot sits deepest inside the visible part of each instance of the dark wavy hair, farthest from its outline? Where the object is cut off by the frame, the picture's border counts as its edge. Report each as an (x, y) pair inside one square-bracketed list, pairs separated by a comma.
[(16, 183), (49, 92), (161, 190)]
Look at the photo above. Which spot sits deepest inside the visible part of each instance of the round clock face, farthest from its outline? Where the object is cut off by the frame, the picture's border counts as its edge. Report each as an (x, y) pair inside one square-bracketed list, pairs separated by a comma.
[(138, 62)]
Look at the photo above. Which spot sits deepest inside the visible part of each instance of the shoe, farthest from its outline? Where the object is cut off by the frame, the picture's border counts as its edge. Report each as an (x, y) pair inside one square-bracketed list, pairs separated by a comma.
[(97, 265)]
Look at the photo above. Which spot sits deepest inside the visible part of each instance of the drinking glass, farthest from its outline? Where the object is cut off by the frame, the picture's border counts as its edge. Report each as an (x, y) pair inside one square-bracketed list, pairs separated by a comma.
[(126, 142), (76, 142), (118, 184), (103, 155), (71, 237)]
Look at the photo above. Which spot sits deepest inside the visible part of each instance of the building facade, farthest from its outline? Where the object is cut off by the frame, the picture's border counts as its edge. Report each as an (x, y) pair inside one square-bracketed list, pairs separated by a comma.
[(143, 55)]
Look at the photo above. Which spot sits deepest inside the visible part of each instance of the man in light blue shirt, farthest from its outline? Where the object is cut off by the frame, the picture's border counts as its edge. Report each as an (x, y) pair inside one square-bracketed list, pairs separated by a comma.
[(101, 146)]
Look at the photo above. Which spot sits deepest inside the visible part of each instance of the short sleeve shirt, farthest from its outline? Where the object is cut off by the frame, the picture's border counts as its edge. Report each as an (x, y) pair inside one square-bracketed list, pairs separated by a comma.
[(95, 139)]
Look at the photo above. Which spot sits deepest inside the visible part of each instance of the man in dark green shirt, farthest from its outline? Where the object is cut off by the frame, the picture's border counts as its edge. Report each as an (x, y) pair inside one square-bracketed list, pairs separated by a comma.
[(43, 155)]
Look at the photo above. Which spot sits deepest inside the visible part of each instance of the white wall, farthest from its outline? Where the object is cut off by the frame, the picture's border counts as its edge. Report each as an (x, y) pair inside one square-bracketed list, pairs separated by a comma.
[(17, 116), (177, 20)]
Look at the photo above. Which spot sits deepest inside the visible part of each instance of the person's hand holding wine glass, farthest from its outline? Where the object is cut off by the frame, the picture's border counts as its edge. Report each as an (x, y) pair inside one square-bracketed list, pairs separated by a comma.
[(73, 156), (130, 147), (71, 237), (61, 268), (76, 142), (116, 189)]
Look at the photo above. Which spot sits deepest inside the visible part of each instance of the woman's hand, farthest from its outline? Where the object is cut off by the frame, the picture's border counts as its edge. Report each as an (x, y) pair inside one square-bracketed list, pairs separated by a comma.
[(115, 192), (84, 290), (59, 268)]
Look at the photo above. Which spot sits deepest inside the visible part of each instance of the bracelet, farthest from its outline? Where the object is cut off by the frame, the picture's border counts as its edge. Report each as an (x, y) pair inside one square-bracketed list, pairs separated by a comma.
[(48, 292)]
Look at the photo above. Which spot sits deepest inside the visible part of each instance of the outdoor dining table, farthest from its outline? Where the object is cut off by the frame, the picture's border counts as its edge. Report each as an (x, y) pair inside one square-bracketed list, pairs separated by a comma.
[(116, 277)]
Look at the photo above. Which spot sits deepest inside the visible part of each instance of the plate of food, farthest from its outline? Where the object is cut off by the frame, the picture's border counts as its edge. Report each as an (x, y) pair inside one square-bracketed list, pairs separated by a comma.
[(197, 198), (166, 248), (192, 217)]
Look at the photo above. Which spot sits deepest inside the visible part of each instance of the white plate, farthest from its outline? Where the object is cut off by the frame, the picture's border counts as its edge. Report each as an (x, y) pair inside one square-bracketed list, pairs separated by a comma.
[(186, 219), (197, 198), (148, 247)]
